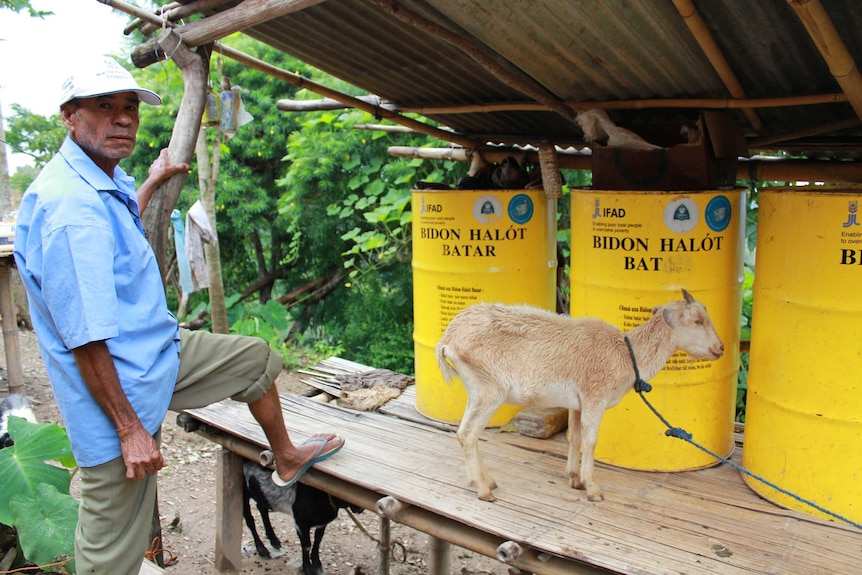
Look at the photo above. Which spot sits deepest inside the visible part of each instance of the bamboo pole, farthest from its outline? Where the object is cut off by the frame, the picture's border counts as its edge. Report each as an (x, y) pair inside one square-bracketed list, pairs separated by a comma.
[(759, 170), (133, 10), (384, 128), (767, 141), (349, 101), (698, 103), (713, 53), (835, 53)]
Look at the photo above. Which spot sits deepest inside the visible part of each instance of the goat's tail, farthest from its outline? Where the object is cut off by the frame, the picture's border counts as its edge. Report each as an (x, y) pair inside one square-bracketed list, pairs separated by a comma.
[(444, 362)]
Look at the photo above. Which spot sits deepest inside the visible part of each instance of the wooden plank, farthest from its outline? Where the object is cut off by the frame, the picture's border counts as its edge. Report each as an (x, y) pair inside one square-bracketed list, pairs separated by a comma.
[(698, 522)]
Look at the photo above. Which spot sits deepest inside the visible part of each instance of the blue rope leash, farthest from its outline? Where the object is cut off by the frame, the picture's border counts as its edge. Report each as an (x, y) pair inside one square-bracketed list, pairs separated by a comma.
[(642, 387)]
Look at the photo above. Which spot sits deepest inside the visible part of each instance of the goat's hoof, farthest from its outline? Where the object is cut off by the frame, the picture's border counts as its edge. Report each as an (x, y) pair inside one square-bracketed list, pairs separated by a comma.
[(595, 497), (487, 496)]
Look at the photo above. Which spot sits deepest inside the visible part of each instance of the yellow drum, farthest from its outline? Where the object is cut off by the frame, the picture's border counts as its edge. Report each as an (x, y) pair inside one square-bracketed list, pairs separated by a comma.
[(633, 250), (472, 246), (803, 429)]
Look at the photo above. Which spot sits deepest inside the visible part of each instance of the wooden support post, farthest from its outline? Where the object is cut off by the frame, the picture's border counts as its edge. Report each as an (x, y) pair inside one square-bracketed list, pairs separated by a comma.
[(195, 69), (10, 328), (438, 556), (228, 550), (384, 546), (549, 163), (388, 509)]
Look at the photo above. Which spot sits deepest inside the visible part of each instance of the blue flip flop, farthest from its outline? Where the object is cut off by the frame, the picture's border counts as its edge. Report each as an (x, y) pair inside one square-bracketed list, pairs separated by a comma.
[(318, 457)]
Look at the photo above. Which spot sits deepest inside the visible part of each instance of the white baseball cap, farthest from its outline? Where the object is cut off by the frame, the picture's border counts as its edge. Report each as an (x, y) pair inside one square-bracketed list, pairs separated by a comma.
[(103, 76)]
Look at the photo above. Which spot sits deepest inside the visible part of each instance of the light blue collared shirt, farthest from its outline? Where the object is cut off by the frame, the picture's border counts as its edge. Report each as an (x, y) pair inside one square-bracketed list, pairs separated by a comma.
[(91, 275)]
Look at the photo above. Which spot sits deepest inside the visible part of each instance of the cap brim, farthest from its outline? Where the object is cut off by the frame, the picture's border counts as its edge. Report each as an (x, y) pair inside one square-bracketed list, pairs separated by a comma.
[(146, 96), (149, 97)]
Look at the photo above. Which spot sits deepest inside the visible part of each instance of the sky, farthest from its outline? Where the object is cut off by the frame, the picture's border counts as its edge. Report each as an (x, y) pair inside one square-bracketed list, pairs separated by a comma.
[(34, 52)]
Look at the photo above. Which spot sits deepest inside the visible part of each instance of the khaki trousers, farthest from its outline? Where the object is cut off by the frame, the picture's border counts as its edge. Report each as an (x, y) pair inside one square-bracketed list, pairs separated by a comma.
[(116, 513)]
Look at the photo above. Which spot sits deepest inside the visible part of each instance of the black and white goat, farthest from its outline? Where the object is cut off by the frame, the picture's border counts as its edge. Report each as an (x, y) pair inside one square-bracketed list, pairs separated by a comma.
[(311, 509), (13, 405)]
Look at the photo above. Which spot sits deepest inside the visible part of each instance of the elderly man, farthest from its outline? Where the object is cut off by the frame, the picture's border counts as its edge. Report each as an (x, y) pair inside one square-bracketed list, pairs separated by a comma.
[(115, 356)]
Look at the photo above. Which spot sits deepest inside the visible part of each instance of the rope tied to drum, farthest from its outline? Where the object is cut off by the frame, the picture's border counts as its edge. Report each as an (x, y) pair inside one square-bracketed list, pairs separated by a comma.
[(641, 387)]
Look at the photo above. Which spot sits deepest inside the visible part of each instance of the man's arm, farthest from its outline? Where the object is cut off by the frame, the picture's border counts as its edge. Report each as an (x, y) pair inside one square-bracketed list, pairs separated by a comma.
[(160, 170), (140, 451)]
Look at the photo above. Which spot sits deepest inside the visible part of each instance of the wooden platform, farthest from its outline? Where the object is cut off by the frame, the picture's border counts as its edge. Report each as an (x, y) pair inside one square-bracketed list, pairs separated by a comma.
[(704, 522)]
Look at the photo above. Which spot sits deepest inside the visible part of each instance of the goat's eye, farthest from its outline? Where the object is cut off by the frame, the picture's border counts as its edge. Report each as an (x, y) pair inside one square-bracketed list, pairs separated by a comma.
[(699, 322)]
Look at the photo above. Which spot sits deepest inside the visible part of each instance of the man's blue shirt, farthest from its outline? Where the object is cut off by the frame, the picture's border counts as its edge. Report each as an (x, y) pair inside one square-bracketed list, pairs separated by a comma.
[(91, 275)]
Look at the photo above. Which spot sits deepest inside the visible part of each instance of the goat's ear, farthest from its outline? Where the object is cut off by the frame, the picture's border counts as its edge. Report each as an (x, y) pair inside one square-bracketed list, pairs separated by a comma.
[(671, 314), (687, 296), (656, 309)]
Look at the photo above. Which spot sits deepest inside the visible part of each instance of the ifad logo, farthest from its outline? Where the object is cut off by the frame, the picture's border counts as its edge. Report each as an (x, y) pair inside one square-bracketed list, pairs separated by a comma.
[(601, 212), (851, 214)]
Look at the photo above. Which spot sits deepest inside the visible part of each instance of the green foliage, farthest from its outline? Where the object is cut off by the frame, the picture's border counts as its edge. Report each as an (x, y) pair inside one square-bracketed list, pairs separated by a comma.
[(34, 134), (23, 467), (377, 328), (270, 321), (19, 5), (34, 494), (46, 525)]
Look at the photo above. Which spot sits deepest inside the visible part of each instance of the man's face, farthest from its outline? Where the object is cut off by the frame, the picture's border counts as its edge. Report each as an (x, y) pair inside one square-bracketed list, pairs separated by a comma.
[(104, 126)]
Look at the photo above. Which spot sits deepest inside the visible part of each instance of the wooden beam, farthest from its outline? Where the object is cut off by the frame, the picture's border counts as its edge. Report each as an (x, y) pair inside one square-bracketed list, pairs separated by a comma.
[(348, 101), (713, 53), (835, 53), (207, 30)]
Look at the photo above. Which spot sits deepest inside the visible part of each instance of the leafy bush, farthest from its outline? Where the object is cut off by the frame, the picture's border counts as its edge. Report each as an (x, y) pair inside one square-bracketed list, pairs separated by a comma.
[(34, 494), (377, 321)]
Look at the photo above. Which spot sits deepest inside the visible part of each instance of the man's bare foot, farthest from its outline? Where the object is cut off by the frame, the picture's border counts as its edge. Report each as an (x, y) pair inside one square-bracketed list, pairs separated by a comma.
[(316, 448)]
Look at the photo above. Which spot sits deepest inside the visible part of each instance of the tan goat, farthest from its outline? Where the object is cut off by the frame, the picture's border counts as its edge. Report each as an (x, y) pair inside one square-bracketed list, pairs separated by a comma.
[(531, 357)]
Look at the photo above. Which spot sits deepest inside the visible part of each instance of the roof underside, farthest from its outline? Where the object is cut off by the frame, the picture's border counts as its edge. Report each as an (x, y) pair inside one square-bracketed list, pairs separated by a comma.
[(448, 54)]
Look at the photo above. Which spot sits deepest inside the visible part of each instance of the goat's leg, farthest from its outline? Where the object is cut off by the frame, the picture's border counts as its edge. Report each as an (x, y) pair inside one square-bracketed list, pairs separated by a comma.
[(316, 565), (249, 521), (304, 535), (267, 526), (573, 435), (476, 417), (591, 417)]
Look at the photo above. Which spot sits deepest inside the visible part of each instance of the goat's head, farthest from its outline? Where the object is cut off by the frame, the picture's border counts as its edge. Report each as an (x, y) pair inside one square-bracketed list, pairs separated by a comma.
[(693, 331)]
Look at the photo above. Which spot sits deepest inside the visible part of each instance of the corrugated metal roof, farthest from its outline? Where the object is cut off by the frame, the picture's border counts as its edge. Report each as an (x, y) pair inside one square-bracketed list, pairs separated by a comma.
[(577, 51)]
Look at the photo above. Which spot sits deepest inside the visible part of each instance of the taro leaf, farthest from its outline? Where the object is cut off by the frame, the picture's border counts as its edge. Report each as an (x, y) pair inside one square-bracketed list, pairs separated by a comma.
[(23, 467), (46, 524)]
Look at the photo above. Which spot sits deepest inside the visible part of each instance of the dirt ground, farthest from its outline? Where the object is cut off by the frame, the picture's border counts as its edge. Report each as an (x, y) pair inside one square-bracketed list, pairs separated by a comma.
[(187, 505)]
